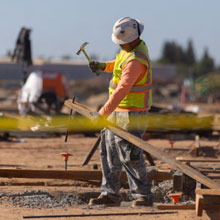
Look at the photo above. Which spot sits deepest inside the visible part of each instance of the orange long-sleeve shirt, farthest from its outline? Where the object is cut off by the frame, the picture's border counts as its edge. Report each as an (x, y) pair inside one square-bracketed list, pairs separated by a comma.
[(132, 72)]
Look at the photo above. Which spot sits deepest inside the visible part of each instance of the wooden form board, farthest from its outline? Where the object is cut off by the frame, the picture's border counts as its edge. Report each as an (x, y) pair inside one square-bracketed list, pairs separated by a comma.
[(83, 175), (186, 207), (198, 160), (148, 147), (214, 192), (51, 174), (176, 207)]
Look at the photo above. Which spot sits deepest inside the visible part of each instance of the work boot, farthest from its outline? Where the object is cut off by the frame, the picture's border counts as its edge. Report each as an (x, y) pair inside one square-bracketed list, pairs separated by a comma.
[(142, 201), (103, 200)]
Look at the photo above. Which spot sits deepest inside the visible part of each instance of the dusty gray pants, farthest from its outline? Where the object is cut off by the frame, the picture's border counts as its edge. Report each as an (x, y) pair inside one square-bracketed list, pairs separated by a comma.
[(116, 152)]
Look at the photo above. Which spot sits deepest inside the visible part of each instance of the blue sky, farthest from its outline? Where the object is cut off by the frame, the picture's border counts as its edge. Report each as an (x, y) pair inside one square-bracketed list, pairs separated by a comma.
[(61, 26)]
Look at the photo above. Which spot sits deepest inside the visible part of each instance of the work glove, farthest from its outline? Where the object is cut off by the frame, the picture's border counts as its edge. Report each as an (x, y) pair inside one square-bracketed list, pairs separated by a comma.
[(97, 120), (96, 66), (95, 116)]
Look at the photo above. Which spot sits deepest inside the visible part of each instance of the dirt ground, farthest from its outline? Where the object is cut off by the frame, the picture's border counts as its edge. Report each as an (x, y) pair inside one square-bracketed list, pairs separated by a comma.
[(59, 198), (44, 153)]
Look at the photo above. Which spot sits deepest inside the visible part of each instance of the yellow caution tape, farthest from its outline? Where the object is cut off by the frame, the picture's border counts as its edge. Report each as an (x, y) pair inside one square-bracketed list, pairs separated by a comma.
[(154, 122)]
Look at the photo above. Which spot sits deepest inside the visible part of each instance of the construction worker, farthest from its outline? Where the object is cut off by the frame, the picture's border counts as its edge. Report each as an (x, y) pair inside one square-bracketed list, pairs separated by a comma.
[(43, 91), (129, 98)]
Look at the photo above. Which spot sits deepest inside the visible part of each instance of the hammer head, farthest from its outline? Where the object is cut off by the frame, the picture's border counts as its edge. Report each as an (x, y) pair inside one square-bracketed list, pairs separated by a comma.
[(81, 48)]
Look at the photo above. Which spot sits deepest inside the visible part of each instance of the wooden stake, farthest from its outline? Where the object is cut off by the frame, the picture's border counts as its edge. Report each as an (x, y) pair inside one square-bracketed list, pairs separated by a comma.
[(199, 204), (199, 201)]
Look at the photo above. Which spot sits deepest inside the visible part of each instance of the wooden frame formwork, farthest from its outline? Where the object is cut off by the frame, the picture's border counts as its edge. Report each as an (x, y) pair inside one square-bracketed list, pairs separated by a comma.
[(193, 173), (178, 164), (175, 164)]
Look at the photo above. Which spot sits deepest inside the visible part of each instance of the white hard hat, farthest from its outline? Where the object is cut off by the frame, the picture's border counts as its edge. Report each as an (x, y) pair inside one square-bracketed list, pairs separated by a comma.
[(126, 29)]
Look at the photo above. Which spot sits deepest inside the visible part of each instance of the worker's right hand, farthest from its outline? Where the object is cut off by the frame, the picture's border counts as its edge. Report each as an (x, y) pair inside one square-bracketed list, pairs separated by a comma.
[(95, 116), (96, 66)]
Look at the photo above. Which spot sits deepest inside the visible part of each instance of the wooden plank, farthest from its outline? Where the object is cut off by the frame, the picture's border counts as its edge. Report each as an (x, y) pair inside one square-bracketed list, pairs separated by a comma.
[(209, 171), (166, 158), (83, 175), (198, 160), (92, 151), (215, 177), (186, 207), (149, 148), (215, 192), (95, 146), (176, 207), (52, 174), (149, 158)]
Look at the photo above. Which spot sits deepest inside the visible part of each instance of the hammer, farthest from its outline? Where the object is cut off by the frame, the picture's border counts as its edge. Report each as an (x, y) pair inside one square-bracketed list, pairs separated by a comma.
[(82, 48)]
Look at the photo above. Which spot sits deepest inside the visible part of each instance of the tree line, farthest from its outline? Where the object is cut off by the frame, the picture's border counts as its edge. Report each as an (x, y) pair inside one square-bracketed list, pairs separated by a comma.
[(173, 53)]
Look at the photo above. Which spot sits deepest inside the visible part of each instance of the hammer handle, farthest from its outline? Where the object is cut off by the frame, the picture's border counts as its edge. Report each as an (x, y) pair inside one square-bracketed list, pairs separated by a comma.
[(88, 58)]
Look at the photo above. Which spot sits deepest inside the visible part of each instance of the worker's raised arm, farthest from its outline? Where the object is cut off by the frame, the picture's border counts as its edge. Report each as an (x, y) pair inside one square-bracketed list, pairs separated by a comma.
[(107, 67)]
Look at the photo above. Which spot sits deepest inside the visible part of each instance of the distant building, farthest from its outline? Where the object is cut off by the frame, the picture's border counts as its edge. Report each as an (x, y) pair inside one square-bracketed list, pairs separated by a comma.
[(74, 70)]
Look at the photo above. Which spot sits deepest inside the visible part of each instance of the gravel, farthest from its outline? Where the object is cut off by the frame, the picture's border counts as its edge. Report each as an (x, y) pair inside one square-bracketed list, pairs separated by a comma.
[(162, 190), (40, 199)]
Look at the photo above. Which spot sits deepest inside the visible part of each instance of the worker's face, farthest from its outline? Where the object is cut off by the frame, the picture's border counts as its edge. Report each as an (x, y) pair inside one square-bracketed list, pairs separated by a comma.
[(130, 46), (126, 47)]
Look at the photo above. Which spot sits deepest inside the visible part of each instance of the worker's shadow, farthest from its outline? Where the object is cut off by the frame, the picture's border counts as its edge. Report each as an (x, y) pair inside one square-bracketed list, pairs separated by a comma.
[(89, 195)]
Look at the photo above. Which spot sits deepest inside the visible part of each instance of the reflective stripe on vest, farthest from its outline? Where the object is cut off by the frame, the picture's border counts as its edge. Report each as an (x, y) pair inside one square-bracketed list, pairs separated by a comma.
[(135, 53), (147, 97), (142, 56), (137, 88)]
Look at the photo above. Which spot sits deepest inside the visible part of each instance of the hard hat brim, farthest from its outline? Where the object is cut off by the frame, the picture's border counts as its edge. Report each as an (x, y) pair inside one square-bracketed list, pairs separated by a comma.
[(117, 41), (141, 26)]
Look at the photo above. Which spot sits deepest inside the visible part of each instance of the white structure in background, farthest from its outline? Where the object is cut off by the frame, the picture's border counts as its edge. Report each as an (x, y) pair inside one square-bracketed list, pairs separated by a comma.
[(48, 89), (30, 92), (192, 108)]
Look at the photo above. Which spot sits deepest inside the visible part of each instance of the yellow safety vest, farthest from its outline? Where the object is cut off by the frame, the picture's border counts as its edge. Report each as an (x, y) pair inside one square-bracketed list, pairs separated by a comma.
[(140, 95)]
